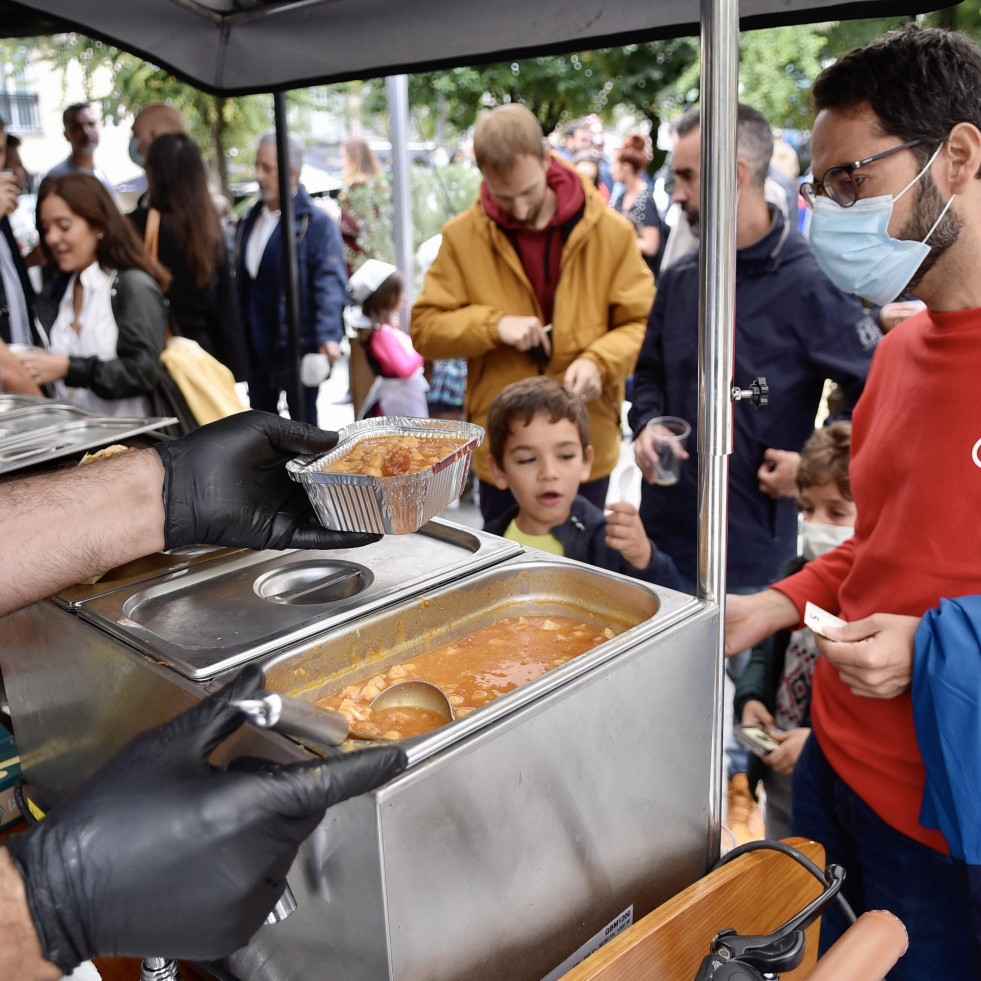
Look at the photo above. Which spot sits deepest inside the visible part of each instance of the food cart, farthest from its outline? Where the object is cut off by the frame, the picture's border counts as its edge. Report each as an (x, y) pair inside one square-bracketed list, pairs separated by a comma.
[(525, 831)]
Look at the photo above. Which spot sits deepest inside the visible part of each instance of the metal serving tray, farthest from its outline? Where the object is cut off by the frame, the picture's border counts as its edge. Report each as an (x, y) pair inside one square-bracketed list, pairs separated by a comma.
[(38, 418), (217, 617), (14, 400), (397, 505), (174, 562), (66, 438)]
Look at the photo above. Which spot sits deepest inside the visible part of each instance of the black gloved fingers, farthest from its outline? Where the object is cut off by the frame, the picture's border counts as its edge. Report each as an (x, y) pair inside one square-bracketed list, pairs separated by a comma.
[(312, 534), (294, 438), (302, 792), (215, 718)]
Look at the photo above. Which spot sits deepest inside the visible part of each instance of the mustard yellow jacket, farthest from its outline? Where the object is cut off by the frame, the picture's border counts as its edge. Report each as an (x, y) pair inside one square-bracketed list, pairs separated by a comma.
[(602, 301)]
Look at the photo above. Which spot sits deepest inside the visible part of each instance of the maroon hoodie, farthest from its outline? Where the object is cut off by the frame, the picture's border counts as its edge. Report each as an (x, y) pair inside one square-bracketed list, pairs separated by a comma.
[(540, 252)]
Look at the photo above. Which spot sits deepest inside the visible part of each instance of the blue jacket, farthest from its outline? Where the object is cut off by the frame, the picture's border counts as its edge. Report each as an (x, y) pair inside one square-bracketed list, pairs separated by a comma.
[(793, 327), (323, 283), (583, 536), (946, 693)]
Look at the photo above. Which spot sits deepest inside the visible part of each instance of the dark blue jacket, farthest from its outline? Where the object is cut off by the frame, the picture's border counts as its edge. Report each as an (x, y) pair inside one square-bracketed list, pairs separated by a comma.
[(323, 283), (583, 536), (793, 327)]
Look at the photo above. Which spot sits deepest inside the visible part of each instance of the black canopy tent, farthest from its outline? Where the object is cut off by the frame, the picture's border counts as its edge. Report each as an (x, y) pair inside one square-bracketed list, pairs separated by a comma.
[(237, 47)]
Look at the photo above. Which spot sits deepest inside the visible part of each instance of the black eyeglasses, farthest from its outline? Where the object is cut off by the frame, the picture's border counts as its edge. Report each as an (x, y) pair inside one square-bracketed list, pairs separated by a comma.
[(840, 184)]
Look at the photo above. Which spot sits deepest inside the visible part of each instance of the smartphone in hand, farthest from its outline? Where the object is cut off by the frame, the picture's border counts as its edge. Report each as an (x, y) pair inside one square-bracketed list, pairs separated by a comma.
[(756, 739)]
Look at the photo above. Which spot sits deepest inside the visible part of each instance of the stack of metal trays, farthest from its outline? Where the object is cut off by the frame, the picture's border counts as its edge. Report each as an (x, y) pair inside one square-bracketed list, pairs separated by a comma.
[(35, 431)]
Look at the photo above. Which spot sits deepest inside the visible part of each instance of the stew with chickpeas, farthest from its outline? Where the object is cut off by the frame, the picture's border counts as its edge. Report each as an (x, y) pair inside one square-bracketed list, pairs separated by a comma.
[(390, 456), (472, 670)]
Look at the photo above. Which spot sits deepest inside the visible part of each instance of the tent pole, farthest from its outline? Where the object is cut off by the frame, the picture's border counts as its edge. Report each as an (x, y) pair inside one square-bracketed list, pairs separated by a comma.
[(397, 87), (291, 277), (716, 327)]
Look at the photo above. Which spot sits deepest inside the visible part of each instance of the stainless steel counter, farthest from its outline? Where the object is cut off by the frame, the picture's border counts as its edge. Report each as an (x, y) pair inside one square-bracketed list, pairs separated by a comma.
[(516, 833)]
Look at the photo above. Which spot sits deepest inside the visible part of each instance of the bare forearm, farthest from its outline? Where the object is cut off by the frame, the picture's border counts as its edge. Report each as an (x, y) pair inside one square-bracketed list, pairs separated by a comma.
[(20, 951), (751, 618), (58, 529)]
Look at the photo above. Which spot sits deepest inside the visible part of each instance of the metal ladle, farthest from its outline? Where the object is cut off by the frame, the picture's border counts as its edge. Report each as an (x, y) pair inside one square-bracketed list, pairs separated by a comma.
[(414, 694), (299, 719), (319, 726)]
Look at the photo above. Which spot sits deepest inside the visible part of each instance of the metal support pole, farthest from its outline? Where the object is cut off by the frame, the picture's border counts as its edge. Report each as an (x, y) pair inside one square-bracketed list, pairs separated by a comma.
[(159, 969), (716, 327), (397, 88), (291, 276)]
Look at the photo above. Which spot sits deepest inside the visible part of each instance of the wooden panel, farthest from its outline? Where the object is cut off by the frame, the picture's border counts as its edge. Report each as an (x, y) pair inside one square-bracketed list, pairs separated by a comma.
[(753, 894)]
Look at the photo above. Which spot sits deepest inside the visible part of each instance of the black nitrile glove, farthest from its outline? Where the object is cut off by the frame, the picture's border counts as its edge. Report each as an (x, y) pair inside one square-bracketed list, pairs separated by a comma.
[(161, 854), (226, 484)]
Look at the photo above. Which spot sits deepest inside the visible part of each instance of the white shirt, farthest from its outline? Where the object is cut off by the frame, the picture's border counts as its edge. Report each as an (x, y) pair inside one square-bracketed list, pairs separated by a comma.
[(265, 224), (97, 336)]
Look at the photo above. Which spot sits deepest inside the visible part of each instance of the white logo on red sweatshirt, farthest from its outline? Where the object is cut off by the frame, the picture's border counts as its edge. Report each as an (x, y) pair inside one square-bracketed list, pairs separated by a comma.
[(975, 453)]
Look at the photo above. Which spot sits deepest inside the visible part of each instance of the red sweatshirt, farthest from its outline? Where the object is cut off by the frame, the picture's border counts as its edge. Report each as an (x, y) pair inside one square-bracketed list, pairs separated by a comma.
[(916, 478), (541, 251)]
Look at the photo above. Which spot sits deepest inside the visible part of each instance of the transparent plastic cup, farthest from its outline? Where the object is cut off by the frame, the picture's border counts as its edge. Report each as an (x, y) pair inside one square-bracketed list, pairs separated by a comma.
[(669, 435)]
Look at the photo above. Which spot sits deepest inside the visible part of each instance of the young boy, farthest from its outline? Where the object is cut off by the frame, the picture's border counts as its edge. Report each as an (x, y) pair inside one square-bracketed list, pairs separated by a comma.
[(538, 435), (775, 689)]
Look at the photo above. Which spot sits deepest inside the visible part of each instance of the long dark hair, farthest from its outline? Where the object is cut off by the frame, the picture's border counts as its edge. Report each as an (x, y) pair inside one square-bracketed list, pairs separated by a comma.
[(179, 191), (119, 246)]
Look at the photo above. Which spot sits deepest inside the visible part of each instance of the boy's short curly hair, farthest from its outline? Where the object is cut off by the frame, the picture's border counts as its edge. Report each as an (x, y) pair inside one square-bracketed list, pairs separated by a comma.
[(523, 400), (825, 457)]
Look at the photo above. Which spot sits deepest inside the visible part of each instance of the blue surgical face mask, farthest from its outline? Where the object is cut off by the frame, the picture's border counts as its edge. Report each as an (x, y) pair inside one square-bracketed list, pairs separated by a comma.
[(854, 248), (134, 153)]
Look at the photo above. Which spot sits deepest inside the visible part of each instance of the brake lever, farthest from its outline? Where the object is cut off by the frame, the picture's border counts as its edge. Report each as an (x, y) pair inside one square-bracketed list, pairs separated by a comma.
[(776, 952)]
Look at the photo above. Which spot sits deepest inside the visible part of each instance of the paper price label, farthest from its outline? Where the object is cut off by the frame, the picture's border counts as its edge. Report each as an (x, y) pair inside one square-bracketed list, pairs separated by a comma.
[(820, 620)]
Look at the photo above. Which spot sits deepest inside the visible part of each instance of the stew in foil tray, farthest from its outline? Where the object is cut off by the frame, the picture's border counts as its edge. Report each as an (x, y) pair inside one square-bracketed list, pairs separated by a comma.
[(389, 456)]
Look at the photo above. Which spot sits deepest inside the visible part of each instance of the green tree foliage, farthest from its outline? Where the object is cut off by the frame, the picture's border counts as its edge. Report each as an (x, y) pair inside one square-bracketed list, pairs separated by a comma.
[(658, 79), (776, 68), (221, 127)]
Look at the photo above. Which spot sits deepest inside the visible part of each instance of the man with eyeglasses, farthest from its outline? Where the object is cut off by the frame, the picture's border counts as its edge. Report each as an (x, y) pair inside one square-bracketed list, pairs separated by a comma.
[(897, 209)]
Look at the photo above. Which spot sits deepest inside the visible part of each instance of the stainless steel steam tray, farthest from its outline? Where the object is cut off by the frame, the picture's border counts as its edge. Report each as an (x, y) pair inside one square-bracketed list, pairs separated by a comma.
[(530, 583), (215, 618), (68, 437)]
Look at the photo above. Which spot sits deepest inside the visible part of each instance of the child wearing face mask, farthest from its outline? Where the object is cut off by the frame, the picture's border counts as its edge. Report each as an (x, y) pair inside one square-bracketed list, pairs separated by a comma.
[(775, 689)]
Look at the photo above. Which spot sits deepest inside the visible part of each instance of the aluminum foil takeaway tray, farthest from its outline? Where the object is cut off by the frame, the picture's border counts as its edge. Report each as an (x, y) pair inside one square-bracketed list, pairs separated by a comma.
[(394, 505), (214, 618)]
